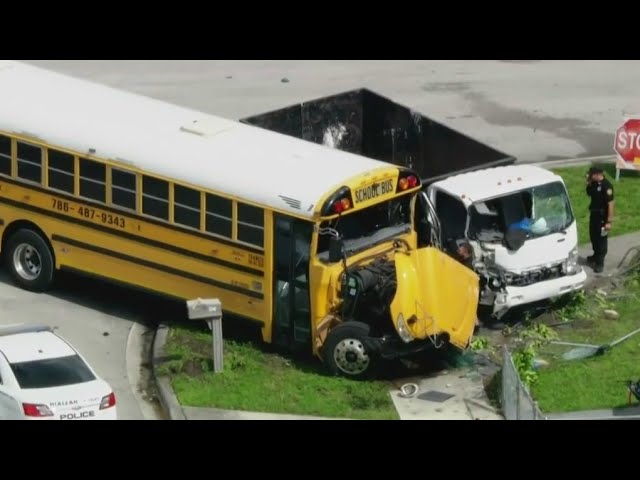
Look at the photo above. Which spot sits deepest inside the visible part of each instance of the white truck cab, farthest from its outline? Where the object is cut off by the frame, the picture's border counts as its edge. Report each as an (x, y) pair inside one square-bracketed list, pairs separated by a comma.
[(520, 223)]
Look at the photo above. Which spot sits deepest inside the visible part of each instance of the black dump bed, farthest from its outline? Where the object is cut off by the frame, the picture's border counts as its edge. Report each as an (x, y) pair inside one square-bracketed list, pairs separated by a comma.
[(363, 122)]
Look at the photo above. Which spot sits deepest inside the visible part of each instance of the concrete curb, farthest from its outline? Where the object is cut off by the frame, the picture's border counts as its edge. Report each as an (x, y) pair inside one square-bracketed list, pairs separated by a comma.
[(168, 398), (197, 413)]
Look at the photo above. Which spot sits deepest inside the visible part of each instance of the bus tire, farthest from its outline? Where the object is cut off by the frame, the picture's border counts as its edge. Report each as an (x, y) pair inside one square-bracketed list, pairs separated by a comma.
[(30, 260), (345, 352)]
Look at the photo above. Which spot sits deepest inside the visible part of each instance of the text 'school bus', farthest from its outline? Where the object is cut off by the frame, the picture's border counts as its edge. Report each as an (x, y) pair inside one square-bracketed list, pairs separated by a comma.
[(316, 245)]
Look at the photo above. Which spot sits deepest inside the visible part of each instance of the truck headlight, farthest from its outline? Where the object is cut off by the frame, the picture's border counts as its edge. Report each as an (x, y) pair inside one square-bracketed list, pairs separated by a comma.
[(403, 330), (571, 263)]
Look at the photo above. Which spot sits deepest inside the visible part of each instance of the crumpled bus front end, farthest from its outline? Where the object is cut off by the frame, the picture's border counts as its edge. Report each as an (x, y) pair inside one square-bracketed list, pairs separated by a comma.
[(377, 294), (436, 298), (397, 304)]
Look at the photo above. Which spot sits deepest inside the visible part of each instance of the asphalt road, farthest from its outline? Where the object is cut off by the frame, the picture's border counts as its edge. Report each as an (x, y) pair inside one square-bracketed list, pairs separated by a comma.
[(533, 110)]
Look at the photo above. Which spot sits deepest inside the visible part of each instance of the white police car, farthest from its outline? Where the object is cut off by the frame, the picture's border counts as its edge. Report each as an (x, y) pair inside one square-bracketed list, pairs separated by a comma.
[(42, 377)]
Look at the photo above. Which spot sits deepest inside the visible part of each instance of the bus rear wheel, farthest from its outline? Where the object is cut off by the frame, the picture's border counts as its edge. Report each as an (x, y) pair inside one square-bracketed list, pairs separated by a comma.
[(345, 351), (29, 260)]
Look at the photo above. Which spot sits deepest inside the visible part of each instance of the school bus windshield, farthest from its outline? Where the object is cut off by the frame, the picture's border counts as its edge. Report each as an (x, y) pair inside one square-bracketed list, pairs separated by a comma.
[(368, 227)]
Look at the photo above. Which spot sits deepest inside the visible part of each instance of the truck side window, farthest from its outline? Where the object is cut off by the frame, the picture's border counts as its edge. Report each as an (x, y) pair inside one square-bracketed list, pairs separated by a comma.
[(486, 221), (453, 218)]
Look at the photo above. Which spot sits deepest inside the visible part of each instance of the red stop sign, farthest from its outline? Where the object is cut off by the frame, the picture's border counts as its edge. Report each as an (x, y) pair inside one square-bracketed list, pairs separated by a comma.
[(627, 141)]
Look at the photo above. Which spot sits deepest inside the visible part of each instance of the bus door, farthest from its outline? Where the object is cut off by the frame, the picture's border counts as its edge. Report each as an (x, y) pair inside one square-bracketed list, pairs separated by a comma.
[(292, 315)]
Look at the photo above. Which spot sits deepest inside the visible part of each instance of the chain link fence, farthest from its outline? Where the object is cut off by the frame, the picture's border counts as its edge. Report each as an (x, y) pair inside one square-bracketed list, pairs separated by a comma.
[(516, 400)]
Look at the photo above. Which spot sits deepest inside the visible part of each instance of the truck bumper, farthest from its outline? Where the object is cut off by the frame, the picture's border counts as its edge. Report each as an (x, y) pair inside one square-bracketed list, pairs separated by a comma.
[(515, 296)]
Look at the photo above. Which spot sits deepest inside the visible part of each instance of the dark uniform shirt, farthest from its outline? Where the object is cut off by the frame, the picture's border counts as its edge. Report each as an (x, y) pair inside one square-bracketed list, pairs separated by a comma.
[(601, 194)]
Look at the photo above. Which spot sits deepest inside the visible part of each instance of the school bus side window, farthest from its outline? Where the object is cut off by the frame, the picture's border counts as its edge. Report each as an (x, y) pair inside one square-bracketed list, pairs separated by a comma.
[(155, 197), (29, 162), (61, 171), (250, 224), (5, 155), (186, 208), (123, 189), (219, 216), (93, 179)]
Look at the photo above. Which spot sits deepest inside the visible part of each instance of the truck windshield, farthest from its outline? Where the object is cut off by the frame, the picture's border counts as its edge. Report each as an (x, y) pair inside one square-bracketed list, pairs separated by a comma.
[(368, 227), (539, 211)]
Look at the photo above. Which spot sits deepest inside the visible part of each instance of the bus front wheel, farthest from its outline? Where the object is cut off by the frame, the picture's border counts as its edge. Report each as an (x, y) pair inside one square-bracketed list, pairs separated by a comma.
[(345, 351), (29, 260)]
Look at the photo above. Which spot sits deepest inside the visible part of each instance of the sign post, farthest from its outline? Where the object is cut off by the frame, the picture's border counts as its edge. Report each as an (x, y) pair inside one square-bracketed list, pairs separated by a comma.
[(627, 146), (210, 310)]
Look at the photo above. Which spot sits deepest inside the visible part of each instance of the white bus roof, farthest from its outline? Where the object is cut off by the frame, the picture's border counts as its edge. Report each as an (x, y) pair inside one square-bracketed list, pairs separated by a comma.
[(156, 137), (495, 182)]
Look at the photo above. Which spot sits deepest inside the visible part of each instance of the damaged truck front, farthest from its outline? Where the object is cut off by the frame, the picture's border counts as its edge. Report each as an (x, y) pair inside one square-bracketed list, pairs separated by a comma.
[(520, 223), (518, 219)]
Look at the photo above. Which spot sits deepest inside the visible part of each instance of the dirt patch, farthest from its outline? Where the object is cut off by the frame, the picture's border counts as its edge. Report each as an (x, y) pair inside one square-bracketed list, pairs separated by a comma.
[(196, 346), (195, 367), (274, 361), (580, 324)]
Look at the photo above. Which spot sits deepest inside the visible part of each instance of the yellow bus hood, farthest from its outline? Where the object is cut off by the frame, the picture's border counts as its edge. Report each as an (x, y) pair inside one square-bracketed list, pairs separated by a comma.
[(435, 294)]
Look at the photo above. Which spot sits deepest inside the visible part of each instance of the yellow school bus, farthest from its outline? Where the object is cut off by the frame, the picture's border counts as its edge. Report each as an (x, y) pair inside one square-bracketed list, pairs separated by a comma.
[(315, 245)]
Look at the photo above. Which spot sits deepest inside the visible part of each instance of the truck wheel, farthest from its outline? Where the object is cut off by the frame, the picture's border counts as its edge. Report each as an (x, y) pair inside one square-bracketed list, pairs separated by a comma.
[(345, 352), (29, 260)]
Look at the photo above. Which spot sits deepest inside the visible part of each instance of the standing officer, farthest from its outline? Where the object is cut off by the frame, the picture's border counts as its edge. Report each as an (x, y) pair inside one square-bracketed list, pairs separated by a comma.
[(601, 192)]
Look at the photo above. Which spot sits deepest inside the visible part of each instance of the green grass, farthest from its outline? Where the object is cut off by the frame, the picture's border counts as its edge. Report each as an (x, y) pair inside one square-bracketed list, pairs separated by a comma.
[(627, 199), (597, 382), (254, 380)]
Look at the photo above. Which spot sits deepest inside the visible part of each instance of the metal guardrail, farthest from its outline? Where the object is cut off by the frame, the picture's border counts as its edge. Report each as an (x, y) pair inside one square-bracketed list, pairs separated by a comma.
[(516, 400)]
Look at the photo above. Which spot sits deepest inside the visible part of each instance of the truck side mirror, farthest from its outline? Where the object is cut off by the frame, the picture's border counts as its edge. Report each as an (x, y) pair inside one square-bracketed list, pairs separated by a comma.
[(336, 249)]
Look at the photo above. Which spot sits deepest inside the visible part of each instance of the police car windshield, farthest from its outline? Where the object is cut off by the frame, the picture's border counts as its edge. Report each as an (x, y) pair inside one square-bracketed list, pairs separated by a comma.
[(52, 372), (539, 211), (370, 226)]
